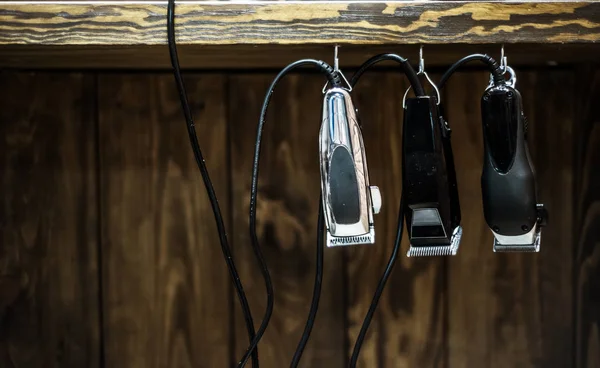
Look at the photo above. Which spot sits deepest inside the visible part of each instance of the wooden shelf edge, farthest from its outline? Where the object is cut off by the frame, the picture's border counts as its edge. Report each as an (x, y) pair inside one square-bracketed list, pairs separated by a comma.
[(277, 56), (297, 23)]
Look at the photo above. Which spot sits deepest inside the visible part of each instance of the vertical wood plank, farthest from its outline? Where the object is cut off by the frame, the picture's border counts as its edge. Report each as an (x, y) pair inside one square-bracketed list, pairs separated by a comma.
[(407, 329), (513, 309), (586, 236), (470, 322), (48, 214), (289, 187), (165, 284)]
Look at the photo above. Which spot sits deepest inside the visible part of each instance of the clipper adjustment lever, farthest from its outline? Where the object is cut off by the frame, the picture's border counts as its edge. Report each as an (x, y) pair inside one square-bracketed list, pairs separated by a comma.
[(508, 179)]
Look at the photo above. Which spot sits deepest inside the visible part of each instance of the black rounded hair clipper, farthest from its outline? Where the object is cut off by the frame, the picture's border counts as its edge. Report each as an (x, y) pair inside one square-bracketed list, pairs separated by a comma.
[(508, 179), (349, 202)]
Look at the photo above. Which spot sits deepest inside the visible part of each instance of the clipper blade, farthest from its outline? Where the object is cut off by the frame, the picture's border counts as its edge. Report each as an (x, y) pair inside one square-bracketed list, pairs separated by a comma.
[(437, 250), (336, 241), (528, 248)]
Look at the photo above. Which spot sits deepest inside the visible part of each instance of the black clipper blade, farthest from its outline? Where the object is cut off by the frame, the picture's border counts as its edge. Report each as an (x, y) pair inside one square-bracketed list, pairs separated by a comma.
[(433, 211), (508, 179), (349, 202)]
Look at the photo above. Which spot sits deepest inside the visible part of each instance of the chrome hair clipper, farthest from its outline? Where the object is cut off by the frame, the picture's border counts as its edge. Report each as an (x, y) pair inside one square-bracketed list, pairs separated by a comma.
[(508, 178), (348, 201), (433, 210)]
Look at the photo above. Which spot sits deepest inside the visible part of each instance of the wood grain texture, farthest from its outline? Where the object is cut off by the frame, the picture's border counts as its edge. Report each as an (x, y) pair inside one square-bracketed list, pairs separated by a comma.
[(289, 187), (275, 56), (283, 22), (513, 309), (48, 222), (165, 285), (586, 217), (407, 329)]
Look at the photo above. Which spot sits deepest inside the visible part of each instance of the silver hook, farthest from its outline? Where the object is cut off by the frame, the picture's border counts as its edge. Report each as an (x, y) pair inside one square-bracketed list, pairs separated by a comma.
[(421, 62), (511, 82), (503, 60), (422, 72), (336, 68), (336, 59)]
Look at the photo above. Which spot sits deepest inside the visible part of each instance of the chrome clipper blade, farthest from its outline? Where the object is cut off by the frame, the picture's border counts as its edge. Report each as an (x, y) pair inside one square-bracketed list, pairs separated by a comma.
[(438, 250), (433, 211), (349, 202)]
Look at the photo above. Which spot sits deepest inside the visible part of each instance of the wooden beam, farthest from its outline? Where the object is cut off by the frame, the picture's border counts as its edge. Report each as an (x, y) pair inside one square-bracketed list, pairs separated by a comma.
[(299, 22)]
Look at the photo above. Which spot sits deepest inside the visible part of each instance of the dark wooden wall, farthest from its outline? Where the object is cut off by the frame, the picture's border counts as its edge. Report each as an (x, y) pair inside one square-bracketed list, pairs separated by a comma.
[(109, 255)]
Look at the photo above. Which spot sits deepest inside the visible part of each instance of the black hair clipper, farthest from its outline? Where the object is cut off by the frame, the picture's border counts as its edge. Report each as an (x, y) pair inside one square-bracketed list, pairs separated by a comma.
[(508, 178), (349, 202), (431, 193)]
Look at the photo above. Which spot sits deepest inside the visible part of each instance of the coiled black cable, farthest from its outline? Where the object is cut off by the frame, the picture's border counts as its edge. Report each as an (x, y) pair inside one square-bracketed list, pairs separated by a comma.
[(419, 91), (495, 69), (334, 79), (206, 178)]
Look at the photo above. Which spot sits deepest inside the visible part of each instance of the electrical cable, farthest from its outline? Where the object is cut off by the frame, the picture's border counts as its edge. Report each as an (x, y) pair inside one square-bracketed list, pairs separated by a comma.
[(380, 286), (314, 306), (495, 69), (410, 73), (419, 91), (206, 178), (334, 79)]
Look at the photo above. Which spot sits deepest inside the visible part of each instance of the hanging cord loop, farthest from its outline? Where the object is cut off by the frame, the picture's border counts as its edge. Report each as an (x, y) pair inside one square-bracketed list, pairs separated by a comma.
[(496, 70), (408, 70), (335, 81), (419, 91), (206, 178), (314, 304)]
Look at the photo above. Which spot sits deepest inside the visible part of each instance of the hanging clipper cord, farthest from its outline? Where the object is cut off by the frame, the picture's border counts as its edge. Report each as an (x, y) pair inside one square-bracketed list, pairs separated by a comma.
[(314, 306), (206, 178), (410, 73), (419, 91), (494, 68), (335, 80)]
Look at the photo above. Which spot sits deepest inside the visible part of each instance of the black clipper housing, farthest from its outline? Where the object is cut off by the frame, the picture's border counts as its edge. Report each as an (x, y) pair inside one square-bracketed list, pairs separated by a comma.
[(431, 193), (508, 179)]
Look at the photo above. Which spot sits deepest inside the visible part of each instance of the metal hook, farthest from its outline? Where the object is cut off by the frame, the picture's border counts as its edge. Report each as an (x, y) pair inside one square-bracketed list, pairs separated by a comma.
[(336, 59), (503, 60), (421, 62), (510, 82), (336, 68), (422, 72)]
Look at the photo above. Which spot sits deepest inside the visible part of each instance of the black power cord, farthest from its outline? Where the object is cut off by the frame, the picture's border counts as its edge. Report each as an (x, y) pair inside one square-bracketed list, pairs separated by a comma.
[(410, 73), (314, 306), (495, 69), (206, 178), (419, 91), (380, 286), (334, 79)]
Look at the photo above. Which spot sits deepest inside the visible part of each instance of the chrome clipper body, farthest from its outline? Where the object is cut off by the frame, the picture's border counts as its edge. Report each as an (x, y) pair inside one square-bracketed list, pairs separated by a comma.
[(433, 210), (349, 202), (508, 179)]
